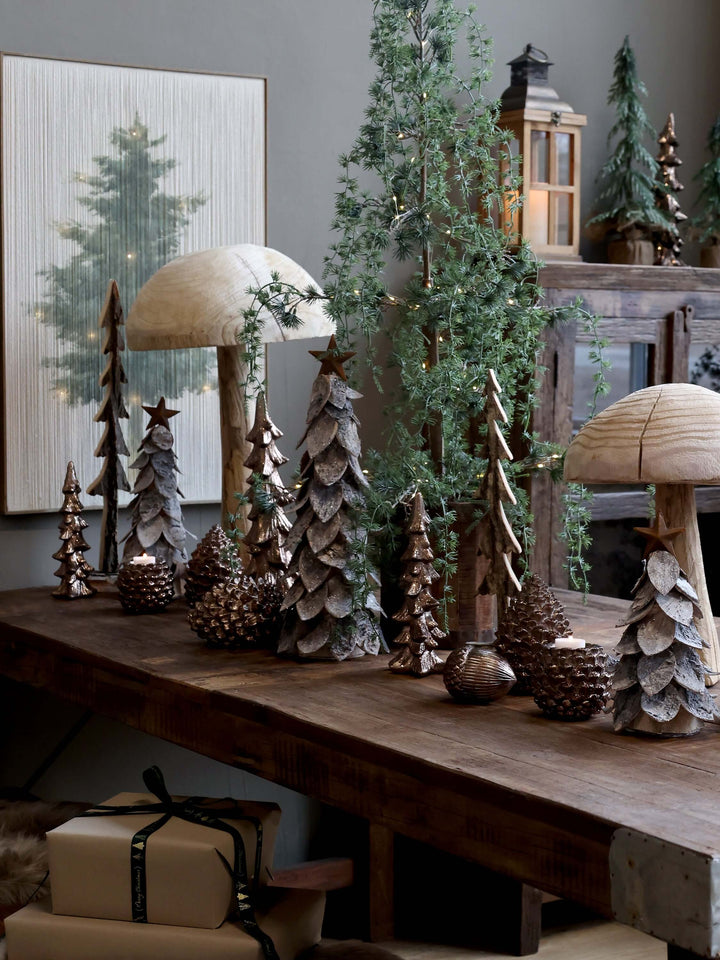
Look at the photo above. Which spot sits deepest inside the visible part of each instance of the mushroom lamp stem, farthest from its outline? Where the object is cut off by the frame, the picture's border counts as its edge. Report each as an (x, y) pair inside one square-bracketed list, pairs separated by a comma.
[(237, 412), (676, 502)]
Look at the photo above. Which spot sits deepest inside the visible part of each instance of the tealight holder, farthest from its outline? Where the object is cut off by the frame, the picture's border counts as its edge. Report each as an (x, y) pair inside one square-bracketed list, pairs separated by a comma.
[(572, 683), (145, 584)]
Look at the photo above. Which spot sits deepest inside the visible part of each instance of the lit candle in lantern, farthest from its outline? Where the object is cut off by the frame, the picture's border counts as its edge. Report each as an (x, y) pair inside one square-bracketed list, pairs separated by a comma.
[(143, 561), (568, 643)]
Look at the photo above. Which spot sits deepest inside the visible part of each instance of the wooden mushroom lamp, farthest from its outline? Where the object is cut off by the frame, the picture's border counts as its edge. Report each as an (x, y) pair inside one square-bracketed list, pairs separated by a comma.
[(668, 435), (198, 301)]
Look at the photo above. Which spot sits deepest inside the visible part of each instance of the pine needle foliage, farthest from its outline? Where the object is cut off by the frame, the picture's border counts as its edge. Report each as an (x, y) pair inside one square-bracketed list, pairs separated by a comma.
[(627, 189), (421, 186), (707, 222)]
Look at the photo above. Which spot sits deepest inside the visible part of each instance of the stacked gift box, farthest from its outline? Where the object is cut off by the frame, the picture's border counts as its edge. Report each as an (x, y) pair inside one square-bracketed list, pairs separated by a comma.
[(147, 878)]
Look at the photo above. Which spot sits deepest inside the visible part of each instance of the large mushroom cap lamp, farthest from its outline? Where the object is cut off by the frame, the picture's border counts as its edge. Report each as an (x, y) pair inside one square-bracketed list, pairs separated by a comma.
[(199, 300), (668, 435)]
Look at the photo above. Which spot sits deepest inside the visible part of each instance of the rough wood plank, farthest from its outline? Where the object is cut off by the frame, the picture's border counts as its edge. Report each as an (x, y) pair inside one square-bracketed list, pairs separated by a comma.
[(633, 503), (603, 276)]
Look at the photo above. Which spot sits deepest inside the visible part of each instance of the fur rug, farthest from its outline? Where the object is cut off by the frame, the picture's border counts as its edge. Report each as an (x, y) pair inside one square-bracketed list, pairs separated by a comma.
[(23, 851)]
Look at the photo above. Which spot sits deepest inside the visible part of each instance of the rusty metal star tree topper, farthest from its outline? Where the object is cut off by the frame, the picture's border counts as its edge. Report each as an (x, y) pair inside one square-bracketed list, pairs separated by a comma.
[(331, 359), (160, 415)]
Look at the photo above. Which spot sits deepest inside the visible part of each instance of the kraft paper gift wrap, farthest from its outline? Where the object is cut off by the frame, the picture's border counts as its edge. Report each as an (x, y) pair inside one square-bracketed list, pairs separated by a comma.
[(293, 921), (188, 884)]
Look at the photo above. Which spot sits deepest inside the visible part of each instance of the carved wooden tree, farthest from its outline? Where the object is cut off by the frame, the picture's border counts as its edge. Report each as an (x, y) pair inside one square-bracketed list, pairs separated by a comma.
[(659, 682), (269, 524), (74, 568), (330, 607), (420, 634), (668, 241), (497, 541), (112, 446), (157, 522)]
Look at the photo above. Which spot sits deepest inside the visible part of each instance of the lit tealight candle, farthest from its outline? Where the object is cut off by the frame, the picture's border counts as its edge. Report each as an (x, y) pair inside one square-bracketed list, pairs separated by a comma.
[(144, 561), (568, 643)]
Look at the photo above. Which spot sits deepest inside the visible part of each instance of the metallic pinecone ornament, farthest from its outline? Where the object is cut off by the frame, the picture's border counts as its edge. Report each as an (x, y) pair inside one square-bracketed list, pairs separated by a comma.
[(238, 614), (145, 588), (534, 619), (477, 674), (572, 684), (209, 564)]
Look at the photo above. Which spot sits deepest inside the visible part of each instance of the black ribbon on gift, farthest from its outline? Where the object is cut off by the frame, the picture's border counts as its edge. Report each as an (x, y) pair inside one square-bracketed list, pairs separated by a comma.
[(193, 810)]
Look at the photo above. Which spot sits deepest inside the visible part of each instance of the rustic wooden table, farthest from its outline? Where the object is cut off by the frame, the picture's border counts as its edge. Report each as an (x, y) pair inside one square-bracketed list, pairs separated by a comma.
[(621, 824)]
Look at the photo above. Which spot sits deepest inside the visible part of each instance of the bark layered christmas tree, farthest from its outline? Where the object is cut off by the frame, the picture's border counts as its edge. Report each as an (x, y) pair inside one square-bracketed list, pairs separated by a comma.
[(157, 522), (331, 609), (659, 681)]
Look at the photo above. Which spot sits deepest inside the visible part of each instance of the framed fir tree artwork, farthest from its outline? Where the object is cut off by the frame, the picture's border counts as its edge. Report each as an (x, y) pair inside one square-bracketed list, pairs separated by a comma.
[(108, 172)]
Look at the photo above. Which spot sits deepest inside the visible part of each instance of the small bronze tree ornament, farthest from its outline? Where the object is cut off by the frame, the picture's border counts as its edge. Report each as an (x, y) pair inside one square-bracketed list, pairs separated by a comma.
[(497, 541), (668, 435), (267, 494), (420, 634), (74, 568), (112, 446), (668, 241)]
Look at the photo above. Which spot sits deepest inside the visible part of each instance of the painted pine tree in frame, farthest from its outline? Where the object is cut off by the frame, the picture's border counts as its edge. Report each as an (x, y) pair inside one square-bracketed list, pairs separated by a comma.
[(109, 172)]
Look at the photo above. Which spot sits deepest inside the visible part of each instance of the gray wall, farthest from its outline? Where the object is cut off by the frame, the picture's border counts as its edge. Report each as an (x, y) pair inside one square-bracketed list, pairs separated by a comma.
[(314, 53)]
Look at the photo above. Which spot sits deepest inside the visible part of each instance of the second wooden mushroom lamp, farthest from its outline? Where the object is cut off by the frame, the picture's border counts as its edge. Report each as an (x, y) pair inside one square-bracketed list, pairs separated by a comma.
[(668, 435), (199, 300)]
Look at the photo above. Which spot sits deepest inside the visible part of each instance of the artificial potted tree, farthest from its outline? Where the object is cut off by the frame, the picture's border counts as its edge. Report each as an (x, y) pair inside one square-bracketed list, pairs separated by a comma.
[(627, 212), (421, 185), (707, 223)]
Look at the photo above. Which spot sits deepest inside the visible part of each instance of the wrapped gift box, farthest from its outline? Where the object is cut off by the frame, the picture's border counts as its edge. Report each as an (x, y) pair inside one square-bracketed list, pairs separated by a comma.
[(292, 918), (187, 883)]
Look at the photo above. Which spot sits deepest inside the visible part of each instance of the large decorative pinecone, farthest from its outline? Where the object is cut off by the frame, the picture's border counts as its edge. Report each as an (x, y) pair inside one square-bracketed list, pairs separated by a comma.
[(238, 614), (572, 684), (145, 588), (534, 619), (209, 564)]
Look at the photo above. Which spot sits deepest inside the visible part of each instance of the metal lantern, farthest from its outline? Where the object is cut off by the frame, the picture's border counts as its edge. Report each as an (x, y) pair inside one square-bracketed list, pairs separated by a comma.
[(546, 137)]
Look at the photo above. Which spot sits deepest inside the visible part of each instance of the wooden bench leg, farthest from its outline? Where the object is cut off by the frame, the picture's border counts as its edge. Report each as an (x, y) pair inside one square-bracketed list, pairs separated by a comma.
[(381, 883), (518, 918), (678, 953)]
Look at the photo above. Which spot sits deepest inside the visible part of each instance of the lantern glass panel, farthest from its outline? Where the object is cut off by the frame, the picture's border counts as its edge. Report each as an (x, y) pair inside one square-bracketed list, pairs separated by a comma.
[(563, 219), (563, 154), (540, 157), (537, 217)]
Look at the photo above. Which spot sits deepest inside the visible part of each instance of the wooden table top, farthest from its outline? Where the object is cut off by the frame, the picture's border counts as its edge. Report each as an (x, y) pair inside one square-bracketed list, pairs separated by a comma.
[(500, 784)]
